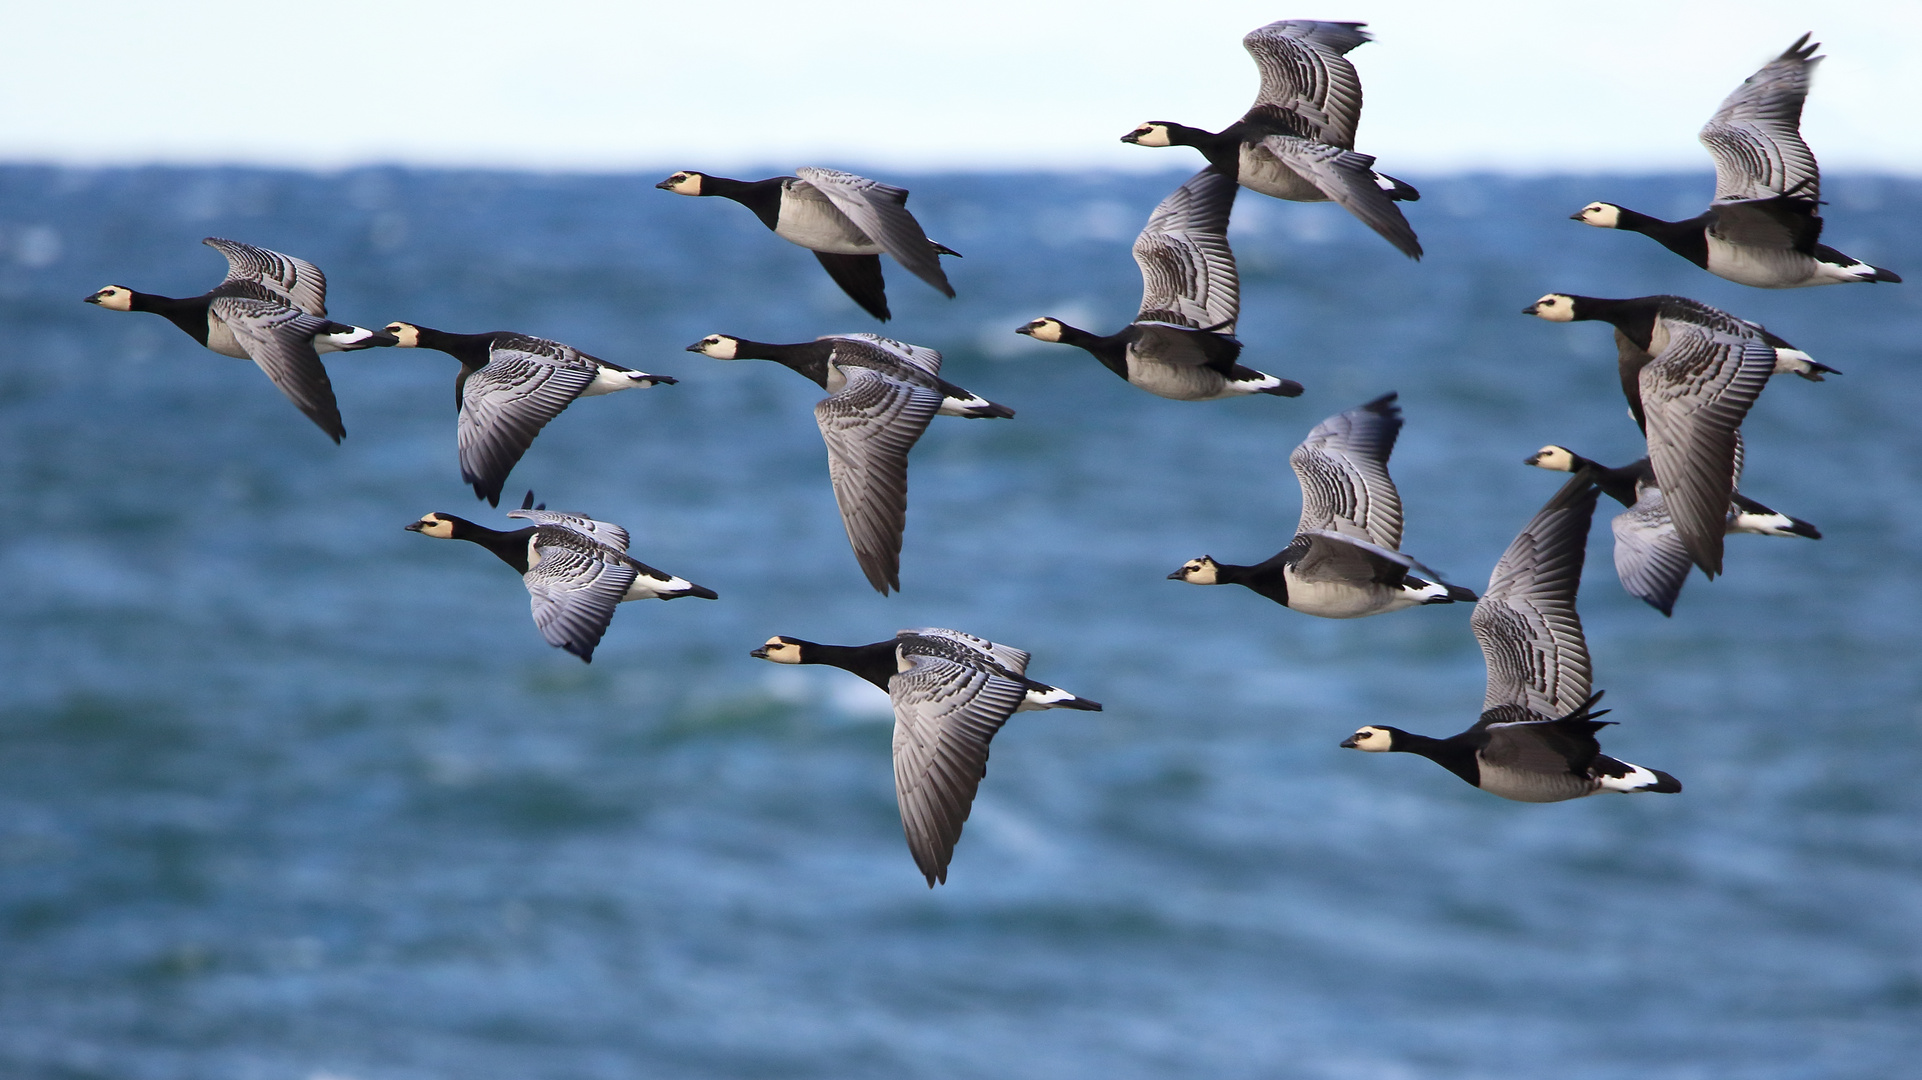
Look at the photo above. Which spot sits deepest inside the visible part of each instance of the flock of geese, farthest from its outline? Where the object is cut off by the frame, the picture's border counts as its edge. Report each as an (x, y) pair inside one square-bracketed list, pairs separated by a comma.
[(1689, 371)]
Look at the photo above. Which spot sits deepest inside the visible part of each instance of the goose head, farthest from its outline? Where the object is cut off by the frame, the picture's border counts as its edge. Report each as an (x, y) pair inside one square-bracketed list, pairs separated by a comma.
[(780, 650), (1599, 214), (1555, 307), (1371, 738), (683, 183), (1153, 133), (439, 526), (1554, 458), (718, 346), (113, 298), (1044, 329), (1202, 571), (406, 335)]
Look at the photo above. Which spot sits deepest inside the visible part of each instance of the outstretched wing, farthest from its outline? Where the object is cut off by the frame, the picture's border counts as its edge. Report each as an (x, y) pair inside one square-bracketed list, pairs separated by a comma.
[(1530, 633), (881, 211), (928, 360), (1650, 559), (504, 405), (1007, 656), (297, 281), (945, 714), (1188, 273), (1343, 469), (572, 588), (869, 427), (280, 339), (1308, 86), (1349, 179), (1695, 395), (1756, 136), (600, 532)]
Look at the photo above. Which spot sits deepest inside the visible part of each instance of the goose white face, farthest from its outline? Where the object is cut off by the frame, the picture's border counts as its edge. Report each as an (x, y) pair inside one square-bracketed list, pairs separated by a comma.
[(407, 335), (780, 650), (682, 183), (1202, 571), (113, 298), (1042, 330), (433, 525), (1149, 135), (1557, 458), (1601, 215), (1555, 307), (1372, 739), (718, 346)]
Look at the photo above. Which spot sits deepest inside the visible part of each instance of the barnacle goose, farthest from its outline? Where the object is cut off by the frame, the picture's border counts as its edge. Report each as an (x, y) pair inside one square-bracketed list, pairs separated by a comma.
[(1297, 142), (882, 394), (271, 309), (1345, 561), (575, 569), (1650, 559), (510, 385), (951, 691), (1181, 345), (1535, 740), (1762, 229), (1690, 373), (846, 220)]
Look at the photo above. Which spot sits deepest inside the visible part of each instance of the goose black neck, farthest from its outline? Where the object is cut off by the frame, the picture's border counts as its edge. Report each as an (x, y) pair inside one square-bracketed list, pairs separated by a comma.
[(1111, 350), (1221, 148), (189, 313), (809, 358), (1688, 239), (510, 546), (1266, 579), (875, 663), (761, 196), (1454, 753), (1619, 483), (470, 349), (1634, 317)]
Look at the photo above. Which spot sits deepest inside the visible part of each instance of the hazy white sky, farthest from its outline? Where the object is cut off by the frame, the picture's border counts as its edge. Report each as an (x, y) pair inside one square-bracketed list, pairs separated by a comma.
[(569, 84)]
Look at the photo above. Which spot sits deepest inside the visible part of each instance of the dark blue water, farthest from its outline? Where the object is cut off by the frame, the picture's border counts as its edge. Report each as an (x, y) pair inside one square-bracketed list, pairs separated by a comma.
[(287, 793)]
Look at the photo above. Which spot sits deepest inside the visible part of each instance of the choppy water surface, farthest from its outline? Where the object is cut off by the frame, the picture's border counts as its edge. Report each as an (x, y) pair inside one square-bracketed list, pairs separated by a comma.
[(287, 793)]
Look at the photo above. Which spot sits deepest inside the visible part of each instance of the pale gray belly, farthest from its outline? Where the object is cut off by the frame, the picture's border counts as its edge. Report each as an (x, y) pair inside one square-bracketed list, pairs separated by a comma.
[(220, 338), (1261, 171), (810, 220), (1342, 599), (1533, 786), (1181, 382), (1762, 268)]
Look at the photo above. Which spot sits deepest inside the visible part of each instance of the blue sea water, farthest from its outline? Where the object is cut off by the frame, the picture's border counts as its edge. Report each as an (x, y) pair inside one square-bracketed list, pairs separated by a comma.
[(287, 793)]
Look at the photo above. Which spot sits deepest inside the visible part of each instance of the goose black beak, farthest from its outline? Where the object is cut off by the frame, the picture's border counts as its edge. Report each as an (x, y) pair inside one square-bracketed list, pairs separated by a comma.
[(696, 347), (1576, 216), (1531, 309), (413, 526), (93, 299), (760, 653), (1028, 330), (1131, 137), (666, 185), (381, 339), (1179, 575), (1349, 743), (1531, 459)]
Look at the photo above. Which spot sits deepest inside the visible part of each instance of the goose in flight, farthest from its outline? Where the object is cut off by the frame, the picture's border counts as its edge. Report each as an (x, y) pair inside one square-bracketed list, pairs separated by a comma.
[(1182, 344), (575, 569), (951, 692), (1762, 229), (846, 220), (882, 394), (1297, 142), (1535, 740), (509, 387), (1345, 561), (271, 309)]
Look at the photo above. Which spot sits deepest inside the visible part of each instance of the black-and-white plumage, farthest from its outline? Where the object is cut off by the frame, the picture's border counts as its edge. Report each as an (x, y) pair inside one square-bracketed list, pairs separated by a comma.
[(1690, 373), (1650, 559), (1762, 229), (1181, 344), (882, 394), (1535, 740), (1345, 560), (1297, 142), (951, 692), (846, 220), (575, 569), (510, 385), (271, 309)]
